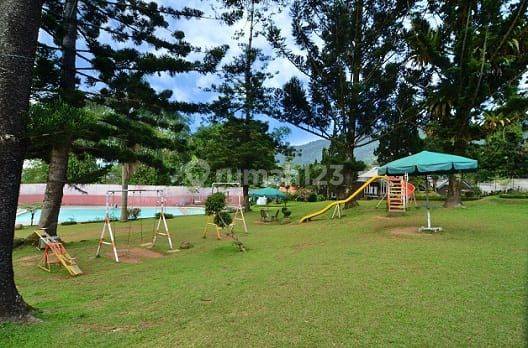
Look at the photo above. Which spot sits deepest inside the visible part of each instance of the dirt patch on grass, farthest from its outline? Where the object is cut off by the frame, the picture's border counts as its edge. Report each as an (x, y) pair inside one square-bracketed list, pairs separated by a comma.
[(302, 246), (134, 255), (29, 260), (383, 217), (407, 231), (108, 328)]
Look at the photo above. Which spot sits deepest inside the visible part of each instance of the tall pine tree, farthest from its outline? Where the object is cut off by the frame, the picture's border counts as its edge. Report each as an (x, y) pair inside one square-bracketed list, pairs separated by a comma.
[(86, 65), (243, 93), (399, 136), (350, 61)]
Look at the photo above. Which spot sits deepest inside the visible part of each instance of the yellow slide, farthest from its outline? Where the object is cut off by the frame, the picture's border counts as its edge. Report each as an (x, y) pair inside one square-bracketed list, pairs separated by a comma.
[(343, 201)]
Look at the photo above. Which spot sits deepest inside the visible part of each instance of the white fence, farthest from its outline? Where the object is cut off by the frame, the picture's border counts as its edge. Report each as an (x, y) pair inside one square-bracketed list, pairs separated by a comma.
[(504, 185)]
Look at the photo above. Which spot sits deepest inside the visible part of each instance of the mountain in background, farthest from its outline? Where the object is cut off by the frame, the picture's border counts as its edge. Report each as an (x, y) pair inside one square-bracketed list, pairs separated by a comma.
[(313, 151)]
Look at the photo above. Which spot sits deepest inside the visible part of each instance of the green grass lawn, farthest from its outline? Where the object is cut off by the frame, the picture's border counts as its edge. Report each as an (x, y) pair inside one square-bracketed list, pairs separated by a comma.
[(365, 279)]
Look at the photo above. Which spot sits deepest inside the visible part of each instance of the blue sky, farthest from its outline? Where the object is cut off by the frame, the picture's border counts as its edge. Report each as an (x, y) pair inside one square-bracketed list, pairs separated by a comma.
[(208, 33)]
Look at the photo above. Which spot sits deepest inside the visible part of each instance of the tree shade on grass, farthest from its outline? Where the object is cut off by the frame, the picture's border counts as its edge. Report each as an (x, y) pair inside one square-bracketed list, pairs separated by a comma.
[(362, 280)]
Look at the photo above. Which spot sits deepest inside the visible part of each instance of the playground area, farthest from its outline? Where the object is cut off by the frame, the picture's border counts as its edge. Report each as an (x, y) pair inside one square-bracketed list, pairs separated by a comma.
[(367, 278)]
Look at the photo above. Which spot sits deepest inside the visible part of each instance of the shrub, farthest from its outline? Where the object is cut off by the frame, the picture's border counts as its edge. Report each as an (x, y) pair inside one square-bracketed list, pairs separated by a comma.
[(69, 222), (433, 196), (321, 198), (291, 196), (223, 219), (167, 216), (286, 212), (215, 203), (303, 194), (133, 213), (312, 197), (515, 195)]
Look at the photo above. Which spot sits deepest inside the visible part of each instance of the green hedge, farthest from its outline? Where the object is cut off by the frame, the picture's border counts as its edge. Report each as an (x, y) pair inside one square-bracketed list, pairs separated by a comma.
[(517, 195), (437, 197), (167, 216), (69, 222)]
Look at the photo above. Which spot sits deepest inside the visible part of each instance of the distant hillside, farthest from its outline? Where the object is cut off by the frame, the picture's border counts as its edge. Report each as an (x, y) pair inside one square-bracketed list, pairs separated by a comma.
[(313, 151)]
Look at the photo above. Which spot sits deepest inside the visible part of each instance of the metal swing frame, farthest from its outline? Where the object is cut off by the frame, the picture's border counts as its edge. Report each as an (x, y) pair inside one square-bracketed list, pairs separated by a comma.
[(239, 212), (107, 226)]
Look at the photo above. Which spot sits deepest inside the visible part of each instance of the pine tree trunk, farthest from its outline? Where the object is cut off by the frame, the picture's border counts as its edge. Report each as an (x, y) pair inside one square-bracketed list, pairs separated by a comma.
[(69, 53), (125, 176), (19, 23), (59, 155), (348, 107), (245, 193), (453, 198), (57, 175)]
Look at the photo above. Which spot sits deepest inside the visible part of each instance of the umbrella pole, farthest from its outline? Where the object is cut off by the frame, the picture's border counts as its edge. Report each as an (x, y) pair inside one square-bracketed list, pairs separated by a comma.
[(427, 201), (429, 228)]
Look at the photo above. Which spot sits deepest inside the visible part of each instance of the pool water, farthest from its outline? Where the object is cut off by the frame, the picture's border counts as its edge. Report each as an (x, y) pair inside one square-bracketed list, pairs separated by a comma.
[(87, 214)]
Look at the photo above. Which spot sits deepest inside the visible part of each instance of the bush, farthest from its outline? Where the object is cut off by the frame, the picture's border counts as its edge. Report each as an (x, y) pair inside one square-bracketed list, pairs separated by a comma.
[(69, 222), (321, 198), (303, 194), (312, 197), (286, 212), (215, 203), (433, 196), (515, 195), (94, 221), (291, 196), (167, 216), (133, 213), (223, 219)]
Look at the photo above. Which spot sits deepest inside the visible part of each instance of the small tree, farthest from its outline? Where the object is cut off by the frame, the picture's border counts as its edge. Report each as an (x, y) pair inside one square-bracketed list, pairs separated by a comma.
[(505, 154), (32, 209), (215, 205), (239, 145)]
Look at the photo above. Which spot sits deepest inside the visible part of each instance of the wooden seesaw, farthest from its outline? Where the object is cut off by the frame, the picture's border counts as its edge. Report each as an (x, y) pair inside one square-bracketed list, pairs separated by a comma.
[(56, 253)]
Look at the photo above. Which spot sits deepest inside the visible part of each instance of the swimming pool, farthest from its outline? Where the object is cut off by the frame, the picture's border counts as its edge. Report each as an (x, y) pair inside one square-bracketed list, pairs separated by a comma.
[(86, 214)]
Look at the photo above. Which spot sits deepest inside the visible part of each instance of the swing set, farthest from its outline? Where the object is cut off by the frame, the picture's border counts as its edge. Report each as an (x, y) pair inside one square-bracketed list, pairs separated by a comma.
[(160, 228), (230, 208)]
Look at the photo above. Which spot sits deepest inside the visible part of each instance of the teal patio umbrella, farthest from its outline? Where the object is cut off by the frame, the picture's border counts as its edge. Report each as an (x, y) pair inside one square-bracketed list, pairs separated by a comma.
[(427, 163), (268, 192)]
